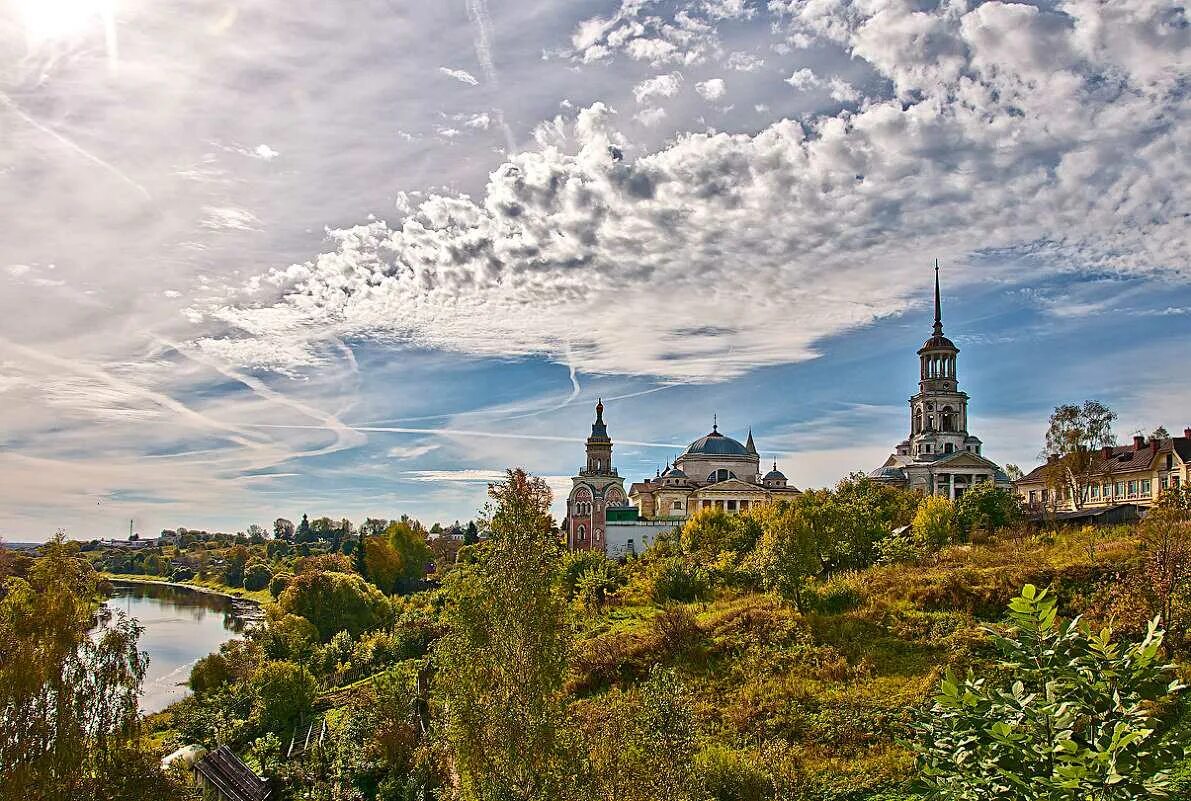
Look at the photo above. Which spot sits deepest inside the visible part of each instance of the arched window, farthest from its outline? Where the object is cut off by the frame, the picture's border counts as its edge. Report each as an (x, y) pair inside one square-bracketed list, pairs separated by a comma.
[(948, 419), (948, 448), (582, 533), (722, 474)]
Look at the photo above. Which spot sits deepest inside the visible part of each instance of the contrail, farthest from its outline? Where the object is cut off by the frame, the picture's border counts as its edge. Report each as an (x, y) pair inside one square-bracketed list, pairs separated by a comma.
[(481, 18), (463, 432), (63, 140)]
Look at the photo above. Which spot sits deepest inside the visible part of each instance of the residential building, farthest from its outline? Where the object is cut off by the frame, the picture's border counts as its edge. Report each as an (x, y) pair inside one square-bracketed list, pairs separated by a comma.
[(1137, 473)]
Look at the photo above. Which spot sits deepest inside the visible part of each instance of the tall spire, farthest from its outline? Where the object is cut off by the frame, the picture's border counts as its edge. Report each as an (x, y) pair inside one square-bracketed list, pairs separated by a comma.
[(750, 446), (598, 428), (715, 422), (938, 305)]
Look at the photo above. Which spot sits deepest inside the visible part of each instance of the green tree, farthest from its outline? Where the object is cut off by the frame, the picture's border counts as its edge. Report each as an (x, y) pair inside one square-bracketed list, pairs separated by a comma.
[(471, 535), (1074, 718), (303, 533), (283, 529), (934, 523), (257, 576), (383, 565), (989, 507), (233, 572), (68, 699), (787, 555), (284, 695), (1075, 436), (408, 539), (336, 602), (503, 662)]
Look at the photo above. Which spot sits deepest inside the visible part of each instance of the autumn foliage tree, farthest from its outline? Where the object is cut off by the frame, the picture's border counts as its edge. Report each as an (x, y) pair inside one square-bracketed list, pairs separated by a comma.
[(502, 665), (1075, 436)]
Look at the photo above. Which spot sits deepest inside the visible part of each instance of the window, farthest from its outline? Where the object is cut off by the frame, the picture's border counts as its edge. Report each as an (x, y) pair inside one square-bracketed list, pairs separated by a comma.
[(744, 505), (1095, 491), (1119, 489), (1107, 491), (676, 505), (732, 506), (1170, 461), (1147, 489), (706, 504), (1045, 495), (926, 448), (1132, 489), (722, 474), (1174, 482), (582, 533), (948, 448), (1164, 482), (1033, 497)]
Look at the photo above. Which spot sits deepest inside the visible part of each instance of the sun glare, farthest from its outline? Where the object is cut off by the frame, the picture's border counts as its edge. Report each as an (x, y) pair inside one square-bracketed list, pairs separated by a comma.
[(53, 20)]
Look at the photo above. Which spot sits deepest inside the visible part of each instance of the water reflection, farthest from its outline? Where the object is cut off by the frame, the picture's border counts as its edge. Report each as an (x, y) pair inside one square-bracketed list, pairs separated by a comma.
[(181, 626)]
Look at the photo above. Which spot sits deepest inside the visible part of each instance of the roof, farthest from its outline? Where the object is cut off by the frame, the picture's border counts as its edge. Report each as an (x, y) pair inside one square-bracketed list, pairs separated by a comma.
[(716, 444), (888, 474), (774, 475), (1120, 512), (234, 780), (1124, 459)]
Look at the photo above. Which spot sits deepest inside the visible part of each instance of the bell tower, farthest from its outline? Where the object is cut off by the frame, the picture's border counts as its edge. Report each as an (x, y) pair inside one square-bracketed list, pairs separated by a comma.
[(595, 489), (939, 412)]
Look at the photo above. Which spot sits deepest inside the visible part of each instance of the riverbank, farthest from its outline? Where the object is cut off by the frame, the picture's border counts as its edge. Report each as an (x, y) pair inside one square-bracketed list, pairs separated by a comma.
[(256, 598)]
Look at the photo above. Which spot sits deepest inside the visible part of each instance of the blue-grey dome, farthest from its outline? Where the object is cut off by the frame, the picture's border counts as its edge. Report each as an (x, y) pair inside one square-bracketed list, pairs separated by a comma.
[(673, 472), (888, 473), (716, 444), (775, 475)]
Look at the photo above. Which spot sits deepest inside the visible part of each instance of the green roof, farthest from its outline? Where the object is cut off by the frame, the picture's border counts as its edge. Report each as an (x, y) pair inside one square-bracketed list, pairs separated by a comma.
[(622, 514)]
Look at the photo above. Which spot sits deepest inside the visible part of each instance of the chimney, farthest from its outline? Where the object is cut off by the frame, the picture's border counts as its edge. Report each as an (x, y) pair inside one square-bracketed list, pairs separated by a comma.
[(1106, 452), (1139, 442), (1051, 458), (1187, 433), (1153, 446)]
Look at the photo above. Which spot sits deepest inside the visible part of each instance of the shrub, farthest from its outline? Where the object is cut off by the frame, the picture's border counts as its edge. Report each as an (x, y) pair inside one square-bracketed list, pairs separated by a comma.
[(279, 582), (673, 580), (896, 549), (934, 523), (1076, 716), (575, 564), (290, 637), (726, 775), (209, 674), (257, 576), (596, 584)]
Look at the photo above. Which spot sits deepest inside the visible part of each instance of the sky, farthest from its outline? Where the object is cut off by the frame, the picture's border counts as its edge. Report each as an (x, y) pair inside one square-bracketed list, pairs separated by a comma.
[(260, 258)]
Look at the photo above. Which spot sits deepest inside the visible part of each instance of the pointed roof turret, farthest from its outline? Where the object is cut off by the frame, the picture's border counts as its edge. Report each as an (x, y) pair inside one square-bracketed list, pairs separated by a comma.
[(938, 305), (599, 430), (749, 445)]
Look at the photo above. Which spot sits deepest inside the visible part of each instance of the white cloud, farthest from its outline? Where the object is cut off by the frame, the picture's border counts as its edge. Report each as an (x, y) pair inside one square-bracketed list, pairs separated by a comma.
[(463, 76), (803, 79), (658, 86), (265, 153), (831, 223), (744, 62), (650, 116), (842, 91), (412, 451), (712, 89), (229, 218)]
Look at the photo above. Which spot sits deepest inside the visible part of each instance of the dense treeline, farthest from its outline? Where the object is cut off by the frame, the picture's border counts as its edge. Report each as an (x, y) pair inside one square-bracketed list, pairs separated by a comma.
[(788, 652)]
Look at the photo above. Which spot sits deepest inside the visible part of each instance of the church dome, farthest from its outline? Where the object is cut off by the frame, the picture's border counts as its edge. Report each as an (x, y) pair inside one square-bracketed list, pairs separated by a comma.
[(673, 472), (775, 475), (716, 444)]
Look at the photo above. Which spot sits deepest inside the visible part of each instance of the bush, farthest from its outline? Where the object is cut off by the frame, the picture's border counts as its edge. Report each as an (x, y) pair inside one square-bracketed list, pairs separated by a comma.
[(257, 576), (575, 564), (934, 523), (209, 674), (675, 581), (279, 582), (336, 602), (726, 775), (896, 549)]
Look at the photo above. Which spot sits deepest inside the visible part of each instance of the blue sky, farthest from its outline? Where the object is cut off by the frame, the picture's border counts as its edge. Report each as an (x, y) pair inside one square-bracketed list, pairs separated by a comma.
[(265, 258)]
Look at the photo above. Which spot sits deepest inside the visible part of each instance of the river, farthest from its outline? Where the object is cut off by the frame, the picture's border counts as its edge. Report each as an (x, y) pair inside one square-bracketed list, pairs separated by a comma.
[(182, 625)]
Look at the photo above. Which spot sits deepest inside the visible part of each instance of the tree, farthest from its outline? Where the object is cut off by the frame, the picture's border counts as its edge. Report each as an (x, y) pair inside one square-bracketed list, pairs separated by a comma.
[(384, 567), (934, 523), (284, 695), (1075, 436), (233, 571), (1075, 717), (1013, 472), (303, 533), (503, 662), (257, 576), (408, 539), (1164, 579), (787, 554), (336, 602), (68, 698), (283, 529), (471, 535), (987, 506), (1160, 433)]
